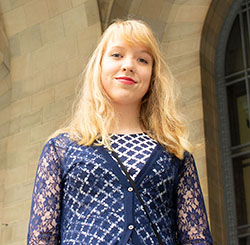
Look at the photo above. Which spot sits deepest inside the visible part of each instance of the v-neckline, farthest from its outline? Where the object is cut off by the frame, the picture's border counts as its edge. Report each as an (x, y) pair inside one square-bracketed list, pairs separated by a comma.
[(142, 173)]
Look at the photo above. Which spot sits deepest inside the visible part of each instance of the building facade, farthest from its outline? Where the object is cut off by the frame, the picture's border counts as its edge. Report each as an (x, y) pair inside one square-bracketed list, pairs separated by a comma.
[(44, 46)]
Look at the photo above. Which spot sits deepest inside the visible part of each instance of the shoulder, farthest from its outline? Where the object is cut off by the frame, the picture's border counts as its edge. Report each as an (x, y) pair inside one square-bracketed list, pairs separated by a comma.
[(188, 156), (61, 141), (58, 145), (187, 164), (184, 162), (187, 160)]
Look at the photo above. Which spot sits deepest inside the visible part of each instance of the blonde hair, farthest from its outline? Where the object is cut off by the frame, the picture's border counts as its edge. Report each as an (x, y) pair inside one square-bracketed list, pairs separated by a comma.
[(94, 114)]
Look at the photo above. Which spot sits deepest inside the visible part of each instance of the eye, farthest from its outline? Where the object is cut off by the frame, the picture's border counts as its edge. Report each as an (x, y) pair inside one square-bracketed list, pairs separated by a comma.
[(142, 60), (116, 55)]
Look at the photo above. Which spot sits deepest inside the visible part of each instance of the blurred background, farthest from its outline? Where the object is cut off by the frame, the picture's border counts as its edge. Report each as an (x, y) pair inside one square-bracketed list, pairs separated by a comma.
[(44, 45)]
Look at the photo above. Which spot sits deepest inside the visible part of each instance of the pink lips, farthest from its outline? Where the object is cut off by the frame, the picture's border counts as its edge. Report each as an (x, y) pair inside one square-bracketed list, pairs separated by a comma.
[(126, 80)]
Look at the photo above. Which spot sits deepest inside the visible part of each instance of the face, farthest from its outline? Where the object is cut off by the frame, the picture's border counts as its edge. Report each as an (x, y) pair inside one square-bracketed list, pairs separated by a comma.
[(126, 72)]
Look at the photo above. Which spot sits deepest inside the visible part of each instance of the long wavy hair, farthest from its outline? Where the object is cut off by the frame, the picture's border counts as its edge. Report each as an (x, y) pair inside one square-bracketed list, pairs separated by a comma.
[(93, 112)]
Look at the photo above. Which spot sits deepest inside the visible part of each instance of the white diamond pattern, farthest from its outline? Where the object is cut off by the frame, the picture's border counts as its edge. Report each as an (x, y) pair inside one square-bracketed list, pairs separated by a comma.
[(133, 149)]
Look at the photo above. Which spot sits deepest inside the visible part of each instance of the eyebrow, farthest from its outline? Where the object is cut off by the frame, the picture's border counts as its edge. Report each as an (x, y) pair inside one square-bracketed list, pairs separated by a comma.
[(121, 47)]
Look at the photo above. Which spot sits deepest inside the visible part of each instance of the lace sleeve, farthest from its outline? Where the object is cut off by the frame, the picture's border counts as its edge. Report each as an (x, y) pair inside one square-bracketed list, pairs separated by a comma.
[(45, 209), (192, 218)]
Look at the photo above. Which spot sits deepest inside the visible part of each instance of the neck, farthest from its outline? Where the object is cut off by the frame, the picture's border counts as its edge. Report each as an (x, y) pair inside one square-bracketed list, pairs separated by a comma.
[(126, 120)]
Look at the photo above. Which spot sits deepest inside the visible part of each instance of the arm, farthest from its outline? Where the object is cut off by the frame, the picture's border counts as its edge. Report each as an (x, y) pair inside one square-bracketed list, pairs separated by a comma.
[(192, 220), (45, 209)]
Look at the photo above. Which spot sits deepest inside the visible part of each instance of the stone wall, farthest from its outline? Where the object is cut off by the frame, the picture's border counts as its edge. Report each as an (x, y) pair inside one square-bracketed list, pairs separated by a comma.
[(5, 88), (49, 42)]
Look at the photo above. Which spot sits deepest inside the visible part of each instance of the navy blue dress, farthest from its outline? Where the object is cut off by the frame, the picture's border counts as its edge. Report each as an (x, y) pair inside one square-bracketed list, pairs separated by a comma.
[(81, 195)]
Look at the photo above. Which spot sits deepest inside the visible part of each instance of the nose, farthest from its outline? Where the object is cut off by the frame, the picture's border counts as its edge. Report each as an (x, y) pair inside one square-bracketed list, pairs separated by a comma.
[(128, 65)]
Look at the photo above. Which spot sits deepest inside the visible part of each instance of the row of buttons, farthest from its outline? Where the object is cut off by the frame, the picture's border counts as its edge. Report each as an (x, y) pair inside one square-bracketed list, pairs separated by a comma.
[(130, 227)]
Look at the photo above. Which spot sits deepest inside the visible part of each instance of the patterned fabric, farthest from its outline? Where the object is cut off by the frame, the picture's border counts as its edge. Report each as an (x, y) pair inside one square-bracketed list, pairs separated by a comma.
[(81, 196), (133, 150)]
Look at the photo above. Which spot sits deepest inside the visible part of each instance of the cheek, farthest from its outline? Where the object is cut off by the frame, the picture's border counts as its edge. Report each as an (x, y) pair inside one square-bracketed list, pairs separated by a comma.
[(104, 82), (147, 81), (148, 75), (107, 70)]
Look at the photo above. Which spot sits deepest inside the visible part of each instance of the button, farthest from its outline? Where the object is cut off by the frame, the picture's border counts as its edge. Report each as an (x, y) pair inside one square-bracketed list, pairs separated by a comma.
[(130, 227), (130, 189)]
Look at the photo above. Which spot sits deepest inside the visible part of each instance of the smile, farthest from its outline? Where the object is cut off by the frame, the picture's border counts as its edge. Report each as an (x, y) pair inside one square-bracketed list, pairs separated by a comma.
[(126, 80)]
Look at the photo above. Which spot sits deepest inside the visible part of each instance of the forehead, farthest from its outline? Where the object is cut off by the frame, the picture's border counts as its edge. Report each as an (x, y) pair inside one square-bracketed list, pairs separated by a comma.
[(121, 40), (123, 44)]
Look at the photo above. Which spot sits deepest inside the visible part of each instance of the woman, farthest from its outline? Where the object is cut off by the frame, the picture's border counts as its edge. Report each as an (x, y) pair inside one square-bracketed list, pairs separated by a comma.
[(121, 171)]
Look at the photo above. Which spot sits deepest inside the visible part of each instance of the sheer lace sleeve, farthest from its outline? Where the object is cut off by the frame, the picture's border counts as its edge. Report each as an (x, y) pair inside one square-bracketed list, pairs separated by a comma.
[(192, 218), (45, 209)]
